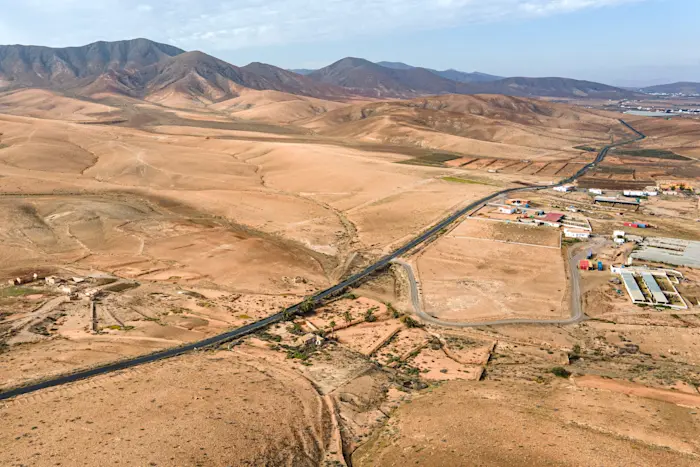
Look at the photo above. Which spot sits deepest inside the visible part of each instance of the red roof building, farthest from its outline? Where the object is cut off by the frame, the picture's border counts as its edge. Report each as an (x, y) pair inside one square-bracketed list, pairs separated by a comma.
[(553, 217)]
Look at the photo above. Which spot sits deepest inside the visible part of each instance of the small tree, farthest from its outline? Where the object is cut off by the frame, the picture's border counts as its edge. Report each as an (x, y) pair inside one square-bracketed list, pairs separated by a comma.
[(392, 311), (347, 317), (369, 316), (307, 306)]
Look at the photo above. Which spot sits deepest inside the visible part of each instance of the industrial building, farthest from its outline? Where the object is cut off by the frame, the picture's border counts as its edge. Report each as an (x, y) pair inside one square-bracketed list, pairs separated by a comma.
[(672, 251), (642, 285), (653, 287), (616, 202), (633, 289)]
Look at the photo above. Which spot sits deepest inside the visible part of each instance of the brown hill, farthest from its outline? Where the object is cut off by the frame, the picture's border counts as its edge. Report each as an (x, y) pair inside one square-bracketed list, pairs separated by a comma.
[(549, 87), (370, 79), (493, 125), (294, 83), (146, 69), (675, 88), (65, 68)]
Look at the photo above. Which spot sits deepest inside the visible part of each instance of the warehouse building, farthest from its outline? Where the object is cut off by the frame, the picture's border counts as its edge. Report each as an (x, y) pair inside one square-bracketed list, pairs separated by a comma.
[(672, 251), (633, 289), (656, 293)]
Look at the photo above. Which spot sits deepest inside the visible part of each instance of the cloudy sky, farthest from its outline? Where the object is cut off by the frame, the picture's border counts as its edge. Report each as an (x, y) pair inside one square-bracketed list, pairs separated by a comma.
[(627, 42)]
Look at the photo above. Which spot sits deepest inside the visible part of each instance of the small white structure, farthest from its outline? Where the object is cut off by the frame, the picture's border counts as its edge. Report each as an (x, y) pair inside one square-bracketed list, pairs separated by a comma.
[(51, 280), (634, 193), (670, 193), (572, 209), (619, 234), (507, 210), (595, 191), (563, 188), (619, 240), (576, 233)]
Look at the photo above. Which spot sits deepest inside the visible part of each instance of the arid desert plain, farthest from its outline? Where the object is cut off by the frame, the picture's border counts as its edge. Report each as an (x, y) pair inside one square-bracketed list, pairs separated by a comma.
[(129, 226)]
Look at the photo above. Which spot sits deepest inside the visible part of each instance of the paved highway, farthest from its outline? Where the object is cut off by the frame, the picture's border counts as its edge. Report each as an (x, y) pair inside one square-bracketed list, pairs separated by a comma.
[(330, 292)]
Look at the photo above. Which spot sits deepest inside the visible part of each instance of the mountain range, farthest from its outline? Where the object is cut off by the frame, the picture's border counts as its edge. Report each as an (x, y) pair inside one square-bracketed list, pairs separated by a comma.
[(687, 88), (149, 70)]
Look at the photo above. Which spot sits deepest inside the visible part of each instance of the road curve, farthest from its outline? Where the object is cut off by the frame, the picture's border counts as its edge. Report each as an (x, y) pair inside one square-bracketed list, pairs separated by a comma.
[(429, 234)]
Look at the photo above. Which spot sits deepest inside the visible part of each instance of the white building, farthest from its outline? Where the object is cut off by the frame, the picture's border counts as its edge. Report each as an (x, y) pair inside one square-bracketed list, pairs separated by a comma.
[(507, 210), (595, 191), (576, 233), (563, 188), (619, 234), (634, 193)]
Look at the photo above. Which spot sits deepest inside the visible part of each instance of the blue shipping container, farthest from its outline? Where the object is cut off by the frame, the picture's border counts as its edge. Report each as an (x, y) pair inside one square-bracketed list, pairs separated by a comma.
[(600, 265)]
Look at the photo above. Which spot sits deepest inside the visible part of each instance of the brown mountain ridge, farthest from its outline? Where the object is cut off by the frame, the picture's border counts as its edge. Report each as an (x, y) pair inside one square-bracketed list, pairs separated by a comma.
[(150, 70)]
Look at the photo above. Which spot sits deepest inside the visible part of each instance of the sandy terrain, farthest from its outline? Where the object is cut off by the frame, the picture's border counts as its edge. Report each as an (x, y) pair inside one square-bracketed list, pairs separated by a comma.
[(183, 222), (46, 104), (507, 284), (266, 413), (275, 106), (495, 424)]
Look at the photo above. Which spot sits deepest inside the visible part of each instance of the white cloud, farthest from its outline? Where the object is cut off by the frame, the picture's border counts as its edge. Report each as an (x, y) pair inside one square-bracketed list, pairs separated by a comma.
[(225, 25)]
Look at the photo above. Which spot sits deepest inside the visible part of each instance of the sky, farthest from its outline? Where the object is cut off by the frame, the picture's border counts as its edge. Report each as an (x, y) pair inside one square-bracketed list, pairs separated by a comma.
[(620, 42)]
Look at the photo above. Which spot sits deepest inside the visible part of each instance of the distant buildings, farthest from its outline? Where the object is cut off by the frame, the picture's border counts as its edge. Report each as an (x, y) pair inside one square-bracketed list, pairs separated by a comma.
[(576, 233), (563, 188)]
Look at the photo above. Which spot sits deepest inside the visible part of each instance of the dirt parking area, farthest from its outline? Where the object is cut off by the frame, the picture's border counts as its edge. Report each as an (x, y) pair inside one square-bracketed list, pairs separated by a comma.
[(470, 279)]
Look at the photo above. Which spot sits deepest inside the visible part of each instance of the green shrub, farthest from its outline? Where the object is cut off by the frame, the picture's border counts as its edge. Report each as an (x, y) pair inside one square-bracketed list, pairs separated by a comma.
[(560, 372)]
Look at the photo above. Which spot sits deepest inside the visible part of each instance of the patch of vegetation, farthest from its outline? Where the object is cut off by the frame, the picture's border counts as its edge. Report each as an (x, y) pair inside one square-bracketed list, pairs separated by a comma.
[(178, 310), (560, 372), (392, 311), (268, 336), (16, 291), (121, 287), (586, 148), (205, 304), (370, 316), (651, 153), (298, 353), (410, 322), (465, 181), (244, 316), (575, 353), (295, 329), (349, 296), (192, 294), (307, 306), (116, 327), (432, 159)]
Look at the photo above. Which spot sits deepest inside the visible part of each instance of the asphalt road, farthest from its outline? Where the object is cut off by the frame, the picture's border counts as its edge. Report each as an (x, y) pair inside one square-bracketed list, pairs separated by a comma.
[(429, 234)]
